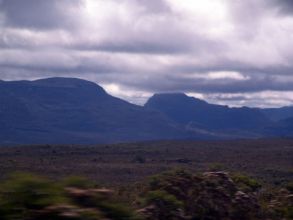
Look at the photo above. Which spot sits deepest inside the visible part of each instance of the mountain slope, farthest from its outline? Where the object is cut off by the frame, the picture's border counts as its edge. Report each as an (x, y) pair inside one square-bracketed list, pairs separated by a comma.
[(195, 112), (282, 128), (65, 110), (277, 114), (68, 110)]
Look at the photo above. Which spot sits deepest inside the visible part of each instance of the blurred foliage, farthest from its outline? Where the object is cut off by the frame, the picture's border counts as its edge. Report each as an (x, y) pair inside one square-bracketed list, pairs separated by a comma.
[(22, 194), (78, 182), (216, 167), (289, 186), (173, 195), (29, 197)]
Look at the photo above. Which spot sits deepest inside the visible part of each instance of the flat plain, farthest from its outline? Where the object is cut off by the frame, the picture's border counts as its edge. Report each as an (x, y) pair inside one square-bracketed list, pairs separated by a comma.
[(269, 160)]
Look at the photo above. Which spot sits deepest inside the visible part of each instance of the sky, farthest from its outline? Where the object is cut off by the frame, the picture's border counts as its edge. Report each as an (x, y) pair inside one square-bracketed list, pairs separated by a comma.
[(230, 52)]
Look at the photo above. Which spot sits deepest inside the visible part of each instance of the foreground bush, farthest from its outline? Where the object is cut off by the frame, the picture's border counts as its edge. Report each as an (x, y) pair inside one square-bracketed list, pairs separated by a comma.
[(213, 196), (177, 195), (27, 197)]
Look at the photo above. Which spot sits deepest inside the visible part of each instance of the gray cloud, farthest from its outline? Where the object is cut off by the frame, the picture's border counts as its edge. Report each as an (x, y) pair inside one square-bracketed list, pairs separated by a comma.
[(285, 6), (199, 85), (228, 51), (152, 6), (39, 14)]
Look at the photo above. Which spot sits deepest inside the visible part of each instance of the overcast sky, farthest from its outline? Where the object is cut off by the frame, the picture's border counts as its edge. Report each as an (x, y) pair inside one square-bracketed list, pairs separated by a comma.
[(234, 52)]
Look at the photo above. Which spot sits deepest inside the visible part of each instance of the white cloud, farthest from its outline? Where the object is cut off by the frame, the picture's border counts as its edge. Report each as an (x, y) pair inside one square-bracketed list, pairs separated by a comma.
[(264, 99), (135, 96)]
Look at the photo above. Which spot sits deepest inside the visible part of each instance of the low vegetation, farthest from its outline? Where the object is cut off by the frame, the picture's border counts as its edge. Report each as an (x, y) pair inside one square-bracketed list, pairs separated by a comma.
[(166, 180), (177, 195)]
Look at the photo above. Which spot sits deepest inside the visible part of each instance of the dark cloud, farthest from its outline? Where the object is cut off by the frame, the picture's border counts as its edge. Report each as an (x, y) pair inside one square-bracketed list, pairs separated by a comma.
[(39, 14), (61, 64), (147, 43), (222, 85), (285, 6), (147, 46)]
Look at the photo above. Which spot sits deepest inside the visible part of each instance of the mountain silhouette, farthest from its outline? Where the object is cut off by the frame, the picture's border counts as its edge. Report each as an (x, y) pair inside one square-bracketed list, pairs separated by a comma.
[(76, 111), (198, 113), (278, 114), (66, 110)]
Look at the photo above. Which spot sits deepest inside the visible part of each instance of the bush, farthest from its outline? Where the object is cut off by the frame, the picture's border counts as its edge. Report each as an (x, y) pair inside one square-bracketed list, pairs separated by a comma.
[(163, 199), (22, 194), (245, 183), (162, 205), (28, 197)]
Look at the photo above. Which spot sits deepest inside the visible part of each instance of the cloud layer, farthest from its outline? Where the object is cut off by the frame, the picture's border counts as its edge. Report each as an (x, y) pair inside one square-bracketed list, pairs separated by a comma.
[(227, 51)]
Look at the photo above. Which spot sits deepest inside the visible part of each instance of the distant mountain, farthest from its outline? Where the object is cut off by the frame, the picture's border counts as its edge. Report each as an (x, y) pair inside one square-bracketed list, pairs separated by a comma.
[(194, 112), (66, 110), (282, 128), (277, 114)]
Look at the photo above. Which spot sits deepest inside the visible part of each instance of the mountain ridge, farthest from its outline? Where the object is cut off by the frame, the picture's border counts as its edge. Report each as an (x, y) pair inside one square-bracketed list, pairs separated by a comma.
[(185, 109), (71, 110), (44, 111)]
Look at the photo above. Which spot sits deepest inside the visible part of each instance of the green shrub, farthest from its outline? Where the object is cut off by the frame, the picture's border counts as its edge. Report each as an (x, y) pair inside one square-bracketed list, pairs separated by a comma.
[(165, 205), (216, 167), (245, 183), (22, 194), (28, 197), (116, 211), (164, 199)]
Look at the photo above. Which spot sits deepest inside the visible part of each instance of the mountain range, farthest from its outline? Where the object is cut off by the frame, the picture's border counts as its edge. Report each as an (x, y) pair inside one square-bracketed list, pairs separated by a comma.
[(75, 111)]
